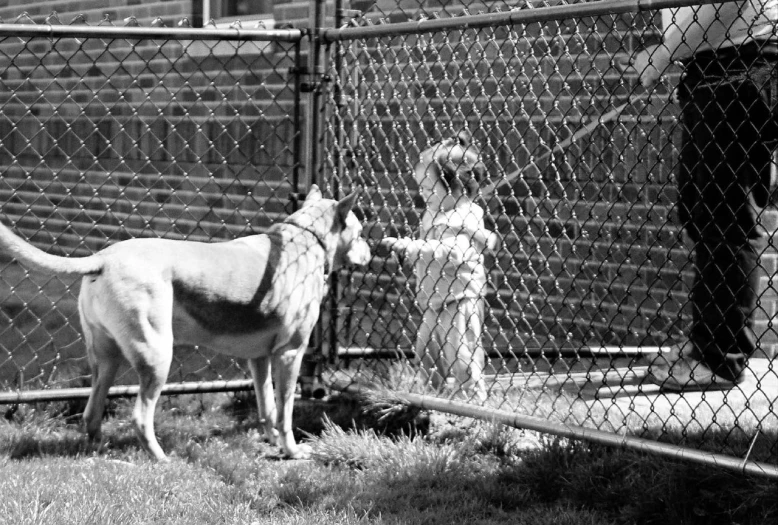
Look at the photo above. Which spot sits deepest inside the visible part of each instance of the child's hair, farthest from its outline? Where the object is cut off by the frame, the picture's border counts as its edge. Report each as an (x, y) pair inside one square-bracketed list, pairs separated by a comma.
[(455, 163)]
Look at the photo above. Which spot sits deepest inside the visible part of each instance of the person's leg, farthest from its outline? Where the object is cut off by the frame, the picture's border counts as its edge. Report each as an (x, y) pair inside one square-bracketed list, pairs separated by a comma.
[(472, 350), (426, 347), (722, 159), (463, 348), (444, 329), (723, 301)]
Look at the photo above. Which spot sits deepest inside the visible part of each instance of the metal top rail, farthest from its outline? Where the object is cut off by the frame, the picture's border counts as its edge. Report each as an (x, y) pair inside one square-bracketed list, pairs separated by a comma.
[(519, 16), (146, 33)]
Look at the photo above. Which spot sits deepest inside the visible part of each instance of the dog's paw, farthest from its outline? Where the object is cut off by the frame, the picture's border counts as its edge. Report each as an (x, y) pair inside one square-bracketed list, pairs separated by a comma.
[(96, 444), (271, 437), (299, 452)]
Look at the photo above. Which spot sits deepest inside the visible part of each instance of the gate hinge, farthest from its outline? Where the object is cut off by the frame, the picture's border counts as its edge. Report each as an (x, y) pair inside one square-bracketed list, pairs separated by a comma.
[(350, 13)]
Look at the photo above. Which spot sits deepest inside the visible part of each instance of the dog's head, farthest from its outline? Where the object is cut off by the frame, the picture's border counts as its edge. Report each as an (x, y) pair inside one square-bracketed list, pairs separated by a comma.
[(339, 226)]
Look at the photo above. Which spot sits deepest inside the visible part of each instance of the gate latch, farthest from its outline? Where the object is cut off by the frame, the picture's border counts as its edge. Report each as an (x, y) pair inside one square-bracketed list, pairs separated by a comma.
[(312, 82)]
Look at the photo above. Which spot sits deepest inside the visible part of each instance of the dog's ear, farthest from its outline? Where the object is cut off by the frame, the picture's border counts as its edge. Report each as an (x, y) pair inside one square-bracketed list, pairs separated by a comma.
[(314, 194), (465, 138), (346, 204)]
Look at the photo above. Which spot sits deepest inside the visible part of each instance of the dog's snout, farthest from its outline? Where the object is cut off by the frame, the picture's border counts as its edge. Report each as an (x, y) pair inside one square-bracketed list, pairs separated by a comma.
[(359, 254)]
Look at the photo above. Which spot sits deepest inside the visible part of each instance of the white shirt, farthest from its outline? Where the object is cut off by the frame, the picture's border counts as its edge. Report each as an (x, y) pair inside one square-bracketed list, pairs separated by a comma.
[(449, 266), (688, 30)]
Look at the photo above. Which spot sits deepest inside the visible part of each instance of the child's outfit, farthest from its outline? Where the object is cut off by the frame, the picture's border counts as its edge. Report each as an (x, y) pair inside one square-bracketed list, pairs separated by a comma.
[(451, 285)]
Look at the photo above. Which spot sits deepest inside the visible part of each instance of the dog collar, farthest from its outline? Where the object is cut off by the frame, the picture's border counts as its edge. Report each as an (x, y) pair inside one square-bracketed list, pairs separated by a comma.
[(321, 243)]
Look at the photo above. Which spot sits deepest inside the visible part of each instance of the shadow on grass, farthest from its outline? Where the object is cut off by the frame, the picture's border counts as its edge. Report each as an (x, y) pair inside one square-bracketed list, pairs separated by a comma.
[(638, 488), (754, 445), (49, 430), (54, 429)]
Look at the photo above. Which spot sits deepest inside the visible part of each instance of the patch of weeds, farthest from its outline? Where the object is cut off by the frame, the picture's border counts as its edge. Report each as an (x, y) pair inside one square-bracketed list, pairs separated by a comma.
[(38, 433), (500, 441), (388, 414), (362, 449), (337, 446)]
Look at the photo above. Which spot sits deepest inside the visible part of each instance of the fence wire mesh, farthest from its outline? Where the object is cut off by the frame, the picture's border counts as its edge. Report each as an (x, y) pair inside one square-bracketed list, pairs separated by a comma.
[(110, 137), (589, 283), (588, 269)]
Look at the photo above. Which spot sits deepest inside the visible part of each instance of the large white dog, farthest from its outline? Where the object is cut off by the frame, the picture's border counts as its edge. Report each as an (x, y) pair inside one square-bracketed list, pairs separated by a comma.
[(256, 298)]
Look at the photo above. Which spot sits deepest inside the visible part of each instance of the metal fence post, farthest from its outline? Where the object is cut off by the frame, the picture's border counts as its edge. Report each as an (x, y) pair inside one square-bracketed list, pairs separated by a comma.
[(310, 384)]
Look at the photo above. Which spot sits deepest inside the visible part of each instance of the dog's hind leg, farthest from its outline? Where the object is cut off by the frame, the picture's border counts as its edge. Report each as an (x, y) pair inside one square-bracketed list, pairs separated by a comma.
[(266, 404), (286, 368), (104, 359), (152, 362)]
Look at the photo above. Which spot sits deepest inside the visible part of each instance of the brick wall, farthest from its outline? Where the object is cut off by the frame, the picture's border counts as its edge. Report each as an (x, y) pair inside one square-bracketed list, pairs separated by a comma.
[(104, 141), (171, 11)]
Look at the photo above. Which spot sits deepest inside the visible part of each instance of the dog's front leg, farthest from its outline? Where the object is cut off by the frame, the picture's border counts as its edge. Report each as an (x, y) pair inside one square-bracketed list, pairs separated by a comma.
[(266, 404), (286, 368)]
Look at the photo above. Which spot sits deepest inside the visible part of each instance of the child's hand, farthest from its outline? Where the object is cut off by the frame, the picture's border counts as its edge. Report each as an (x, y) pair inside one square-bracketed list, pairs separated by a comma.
[(649, 64), (493, 242), (387, 245), (486, 241)]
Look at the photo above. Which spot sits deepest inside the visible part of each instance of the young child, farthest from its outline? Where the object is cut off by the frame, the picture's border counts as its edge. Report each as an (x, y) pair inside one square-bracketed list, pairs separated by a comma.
[(449, 265)]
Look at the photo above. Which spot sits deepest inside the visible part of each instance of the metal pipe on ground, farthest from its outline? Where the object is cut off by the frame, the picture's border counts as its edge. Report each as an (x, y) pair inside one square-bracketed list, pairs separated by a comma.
[(67, 394), (358, 352), (545, 426)]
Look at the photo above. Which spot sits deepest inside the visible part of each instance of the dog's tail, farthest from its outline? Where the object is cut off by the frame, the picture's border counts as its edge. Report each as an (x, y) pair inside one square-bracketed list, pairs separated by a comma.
[(35, 259)]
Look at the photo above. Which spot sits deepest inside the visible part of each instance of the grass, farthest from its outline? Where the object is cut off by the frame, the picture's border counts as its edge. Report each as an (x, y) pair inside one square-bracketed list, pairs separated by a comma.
[(448, 471)]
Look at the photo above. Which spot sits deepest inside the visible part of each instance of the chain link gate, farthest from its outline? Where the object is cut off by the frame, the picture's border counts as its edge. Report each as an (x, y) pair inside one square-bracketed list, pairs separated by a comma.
[(591, 279), (108, 133)]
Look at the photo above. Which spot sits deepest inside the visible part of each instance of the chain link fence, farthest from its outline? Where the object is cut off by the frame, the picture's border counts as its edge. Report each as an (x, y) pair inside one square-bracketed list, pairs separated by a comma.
[(112, 132), (590, 282)]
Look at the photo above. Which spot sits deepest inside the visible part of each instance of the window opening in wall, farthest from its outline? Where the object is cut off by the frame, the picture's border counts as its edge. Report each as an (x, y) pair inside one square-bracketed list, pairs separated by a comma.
[(226, 12)]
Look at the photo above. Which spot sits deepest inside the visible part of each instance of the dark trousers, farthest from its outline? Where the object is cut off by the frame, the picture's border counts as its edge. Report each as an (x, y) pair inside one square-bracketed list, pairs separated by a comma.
[(729, 125)]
